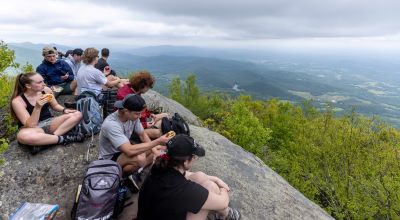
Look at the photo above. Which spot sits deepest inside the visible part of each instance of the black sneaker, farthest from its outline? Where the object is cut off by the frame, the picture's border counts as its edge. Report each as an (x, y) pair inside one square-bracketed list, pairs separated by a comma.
[(132, 182), (73, 137)]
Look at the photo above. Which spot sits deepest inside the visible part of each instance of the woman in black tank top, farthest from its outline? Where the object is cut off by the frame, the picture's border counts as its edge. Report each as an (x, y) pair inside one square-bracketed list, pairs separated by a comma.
[(30, 105)]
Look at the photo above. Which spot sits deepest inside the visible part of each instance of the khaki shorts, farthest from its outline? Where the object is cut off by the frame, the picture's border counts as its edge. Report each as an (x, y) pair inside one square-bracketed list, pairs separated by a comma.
[(45, 125)]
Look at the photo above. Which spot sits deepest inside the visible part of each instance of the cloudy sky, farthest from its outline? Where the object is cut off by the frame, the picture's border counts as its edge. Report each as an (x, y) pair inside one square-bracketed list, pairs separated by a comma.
[(209, 23)]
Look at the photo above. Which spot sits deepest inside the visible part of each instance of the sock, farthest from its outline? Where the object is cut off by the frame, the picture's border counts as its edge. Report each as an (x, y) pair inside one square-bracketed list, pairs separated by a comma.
[(140, 170), (60, 139)]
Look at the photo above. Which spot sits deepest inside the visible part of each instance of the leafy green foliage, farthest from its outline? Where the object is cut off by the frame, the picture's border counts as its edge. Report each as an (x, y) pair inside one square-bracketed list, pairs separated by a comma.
[(7, 58), (349, 165), (8, 129)]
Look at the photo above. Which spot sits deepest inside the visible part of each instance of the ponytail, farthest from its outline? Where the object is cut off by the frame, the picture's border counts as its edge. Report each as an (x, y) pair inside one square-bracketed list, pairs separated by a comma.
[(20, 87)]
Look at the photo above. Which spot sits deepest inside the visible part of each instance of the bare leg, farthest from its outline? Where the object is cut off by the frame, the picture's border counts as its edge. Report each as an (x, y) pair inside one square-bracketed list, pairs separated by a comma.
[(62, 124), (201, 179), (153, 133), (131, 164), (73, 86), (159, 117), (36, 136)]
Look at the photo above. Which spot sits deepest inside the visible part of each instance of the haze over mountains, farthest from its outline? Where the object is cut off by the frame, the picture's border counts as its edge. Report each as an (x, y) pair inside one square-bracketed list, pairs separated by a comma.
[(343, 78)]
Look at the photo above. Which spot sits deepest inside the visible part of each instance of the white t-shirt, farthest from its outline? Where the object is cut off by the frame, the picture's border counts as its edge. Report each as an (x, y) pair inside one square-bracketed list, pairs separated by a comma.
[(90, 79)]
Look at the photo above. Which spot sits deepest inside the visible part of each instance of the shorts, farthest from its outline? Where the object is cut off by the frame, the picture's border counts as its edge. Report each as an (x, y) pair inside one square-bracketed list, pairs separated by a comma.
[(115, 156), (45, 125)]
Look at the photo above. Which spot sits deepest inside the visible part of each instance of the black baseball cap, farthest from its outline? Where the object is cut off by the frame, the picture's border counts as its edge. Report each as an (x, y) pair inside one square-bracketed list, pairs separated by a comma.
[(132, 102), (182, 146)]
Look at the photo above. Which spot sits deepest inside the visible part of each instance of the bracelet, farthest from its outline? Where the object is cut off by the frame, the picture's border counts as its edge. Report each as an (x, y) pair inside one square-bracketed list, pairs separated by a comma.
[(63, 111)]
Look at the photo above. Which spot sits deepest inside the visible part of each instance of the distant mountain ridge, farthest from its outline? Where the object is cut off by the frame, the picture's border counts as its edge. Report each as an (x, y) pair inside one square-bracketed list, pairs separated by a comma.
[(370, 84)]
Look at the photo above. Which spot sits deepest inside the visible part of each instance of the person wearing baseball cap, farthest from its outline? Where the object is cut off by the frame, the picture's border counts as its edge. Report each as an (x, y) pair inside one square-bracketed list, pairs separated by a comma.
[(115, 135), (56, 72), (172, 192)]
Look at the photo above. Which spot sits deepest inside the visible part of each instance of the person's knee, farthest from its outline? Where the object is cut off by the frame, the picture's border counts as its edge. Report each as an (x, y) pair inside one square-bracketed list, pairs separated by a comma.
[(141, 158), (77, 116), (211, 186), (198, 177), (28, 137)]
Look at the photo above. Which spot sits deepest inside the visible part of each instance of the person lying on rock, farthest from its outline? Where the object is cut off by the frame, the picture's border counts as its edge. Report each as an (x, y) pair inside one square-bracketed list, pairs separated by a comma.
[(30, 105), (172, 192), (139, 83), (116, 131)]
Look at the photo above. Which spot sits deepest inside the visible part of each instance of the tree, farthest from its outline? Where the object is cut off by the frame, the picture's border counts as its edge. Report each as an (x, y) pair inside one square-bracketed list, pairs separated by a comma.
[(7, 58)]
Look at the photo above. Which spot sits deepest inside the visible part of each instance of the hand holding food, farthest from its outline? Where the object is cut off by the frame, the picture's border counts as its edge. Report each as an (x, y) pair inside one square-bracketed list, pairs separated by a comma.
[(170, 134), (49, 97)]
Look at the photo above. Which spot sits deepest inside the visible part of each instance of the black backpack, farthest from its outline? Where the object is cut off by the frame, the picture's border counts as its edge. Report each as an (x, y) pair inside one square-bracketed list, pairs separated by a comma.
[(176, 123)]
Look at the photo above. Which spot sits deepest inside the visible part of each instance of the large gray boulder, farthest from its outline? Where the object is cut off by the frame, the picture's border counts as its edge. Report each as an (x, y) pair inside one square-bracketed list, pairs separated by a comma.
[(52, 176)]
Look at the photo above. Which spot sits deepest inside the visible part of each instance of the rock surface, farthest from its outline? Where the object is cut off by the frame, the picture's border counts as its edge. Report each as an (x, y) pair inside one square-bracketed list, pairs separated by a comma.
[(52, 176)]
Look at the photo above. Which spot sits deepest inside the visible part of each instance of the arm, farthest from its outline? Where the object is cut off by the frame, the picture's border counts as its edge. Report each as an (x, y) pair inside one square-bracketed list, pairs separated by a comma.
[(22, 114), (67, 69), (136, 149), (111, 83), (217, 201)]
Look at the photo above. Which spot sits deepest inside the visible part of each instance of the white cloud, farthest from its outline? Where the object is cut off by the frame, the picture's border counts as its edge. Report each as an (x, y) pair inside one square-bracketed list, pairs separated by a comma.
[(231, 23)]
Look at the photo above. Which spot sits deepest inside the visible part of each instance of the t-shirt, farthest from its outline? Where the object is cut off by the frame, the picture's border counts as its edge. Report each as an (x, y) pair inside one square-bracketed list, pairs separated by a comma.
[(73, 64), (101, 64), (169, 196), (90, 79), (115, 133)]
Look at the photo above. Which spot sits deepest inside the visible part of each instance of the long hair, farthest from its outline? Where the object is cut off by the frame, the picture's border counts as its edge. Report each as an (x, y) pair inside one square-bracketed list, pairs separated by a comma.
[(141, 79), (162, 164), (20, 87)]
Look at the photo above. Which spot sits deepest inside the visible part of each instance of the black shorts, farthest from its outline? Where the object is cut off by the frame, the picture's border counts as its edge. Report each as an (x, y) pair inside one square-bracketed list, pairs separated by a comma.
[(115, 156)]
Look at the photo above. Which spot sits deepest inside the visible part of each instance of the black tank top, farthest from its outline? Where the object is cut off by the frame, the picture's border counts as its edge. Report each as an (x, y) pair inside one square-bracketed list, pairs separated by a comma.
[(44, 112)]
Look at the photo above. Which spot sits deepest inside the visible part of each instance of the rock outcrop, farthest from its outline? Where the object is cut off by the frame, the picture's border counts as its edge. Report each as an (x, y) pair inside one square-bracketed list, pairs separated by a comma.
[(52, 175)]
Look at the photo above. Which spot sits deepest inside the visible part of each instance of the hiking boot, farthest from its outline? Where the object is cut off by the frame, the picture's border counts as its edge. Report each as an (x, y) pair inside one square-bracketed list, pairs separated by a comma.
[(132, 182), (73, 137), (233, 214)]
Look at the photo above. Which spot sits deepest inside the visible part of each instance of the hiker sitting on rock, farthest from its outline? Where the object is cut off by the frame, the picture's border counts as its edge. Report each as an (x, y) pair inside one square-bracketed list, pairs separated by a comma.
[(116, 131), (92, 79), (103, 66), (172, 192), (139, 83), (56, 72), (30, 105)]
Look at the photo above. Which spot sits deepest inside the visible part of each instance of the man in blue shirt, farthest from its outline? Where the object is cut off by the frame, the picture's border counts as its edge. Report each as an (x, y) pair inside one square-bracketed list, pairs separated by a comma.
[(56, 72)]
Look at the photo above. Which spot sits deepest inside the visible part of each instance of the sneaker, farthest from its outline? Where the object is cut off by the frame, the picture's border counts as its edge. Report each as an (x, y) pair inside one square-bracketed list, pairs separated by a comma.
[(233, 214), (132, 182), (73, 137)]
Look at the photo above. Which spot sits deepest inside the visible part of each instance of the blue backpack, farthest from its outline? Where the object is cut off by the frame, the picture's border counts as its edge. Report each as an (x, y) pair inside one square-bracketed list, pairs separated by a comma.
[(89, 105)]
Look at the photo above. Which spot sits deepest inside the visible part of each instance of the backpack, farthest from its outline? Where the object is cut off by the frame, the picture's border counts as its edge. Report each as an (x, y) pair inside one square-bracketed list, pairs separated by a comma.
[(176, 123), (101, 195), (88, 104)]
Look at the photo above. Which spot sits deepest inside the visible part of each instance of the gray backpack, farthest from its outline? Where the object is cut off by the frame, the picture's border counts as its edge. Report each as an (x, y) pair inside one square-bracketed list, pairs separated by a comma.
[(98, 195)]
